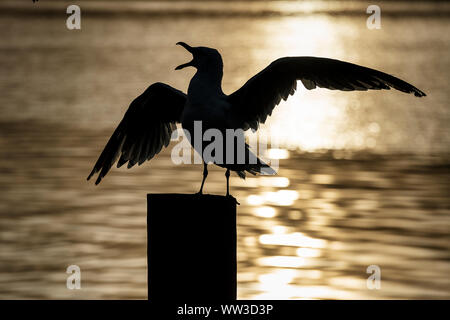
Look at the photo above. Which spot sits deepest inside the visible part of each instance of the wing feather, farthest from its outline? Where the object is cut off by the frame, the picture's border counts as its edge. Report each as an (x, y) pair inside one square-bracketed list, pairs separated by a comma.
[(144, 130), (257, 98)]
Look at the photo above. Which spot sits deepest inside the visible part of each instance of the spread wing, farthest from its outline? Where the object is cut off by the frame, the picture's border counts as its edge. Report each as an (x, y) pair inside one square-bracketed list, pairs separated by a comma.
[(145, 128), (256, 99)]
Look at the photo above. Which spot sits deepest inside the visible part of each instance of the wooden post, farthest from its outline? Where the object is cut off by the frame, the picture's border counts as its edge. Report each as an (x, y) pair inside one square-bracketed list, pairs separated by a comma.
[(191, 247)]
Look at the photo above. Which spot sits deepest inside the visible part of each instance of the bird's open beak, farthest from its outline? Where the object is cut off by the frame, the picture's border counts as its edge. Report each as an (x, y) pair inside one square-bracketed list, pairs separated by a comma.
[(190, 49)]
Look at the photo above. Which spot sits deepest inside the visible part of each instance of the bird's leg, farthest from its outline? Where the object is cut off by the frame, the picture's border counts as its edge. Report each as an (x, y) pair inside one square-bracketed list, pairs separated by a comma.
[(227, 175), (205, 174)]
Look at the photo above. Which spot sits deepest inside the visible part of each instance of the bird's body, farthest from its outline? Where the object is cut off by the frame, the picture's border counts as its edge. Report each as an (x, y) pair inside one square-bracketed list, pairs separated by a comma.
[(151, 117), (207, 105), (206, 101)]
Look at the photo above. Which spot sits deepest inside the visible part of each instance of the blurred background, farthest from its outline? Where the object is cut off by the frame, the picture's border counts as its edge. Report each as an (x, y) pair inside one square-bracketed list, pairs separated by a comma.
[(363, 179)]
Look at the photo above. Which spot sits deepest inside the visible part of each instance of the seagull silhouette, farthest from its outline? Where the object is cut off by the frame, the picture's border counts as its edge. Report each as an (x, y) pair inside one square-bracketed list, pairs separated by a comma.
[(152, 117)]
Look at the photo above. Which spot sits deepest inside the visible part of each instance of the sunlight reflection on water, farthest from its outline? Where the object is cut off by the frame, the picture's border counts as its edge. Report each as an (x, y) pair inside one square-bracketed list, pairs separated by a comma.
[(307, 233)]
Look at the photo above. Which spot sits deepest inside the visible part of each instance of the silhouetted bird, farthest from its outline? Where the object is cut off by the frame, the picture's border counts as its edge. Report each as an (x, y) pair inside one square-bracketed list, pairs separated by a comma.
[(151, 117)]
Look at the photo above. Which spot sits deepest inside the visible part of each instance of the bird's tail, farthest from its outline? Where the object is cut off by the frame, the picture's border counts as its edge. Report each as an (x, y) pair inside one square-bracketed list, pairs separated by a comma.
[(259, 167)]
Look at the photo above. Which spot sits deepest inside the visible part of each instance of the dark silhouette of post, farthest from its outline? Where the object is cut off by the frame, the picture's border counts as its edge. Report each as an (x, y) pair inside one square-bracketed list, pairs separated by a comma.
[(191, 248)]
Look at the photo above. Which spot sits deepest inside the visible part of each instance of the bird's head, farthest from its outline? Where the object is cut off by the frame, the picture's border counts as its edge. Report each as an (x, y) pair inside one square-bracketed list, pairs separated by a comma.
[(203, 58)]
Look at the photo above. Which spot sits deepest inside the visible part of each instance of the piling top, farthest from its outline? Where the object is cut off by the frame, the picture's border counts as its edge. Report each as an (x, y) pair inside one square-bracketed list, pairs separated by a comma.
[(203, 198)]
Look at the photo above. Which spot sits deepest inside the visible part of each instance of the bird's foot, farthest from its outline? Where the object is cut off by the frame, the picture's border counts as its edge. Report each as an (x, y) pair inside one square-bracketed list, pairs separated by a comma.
[(230, 196)]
